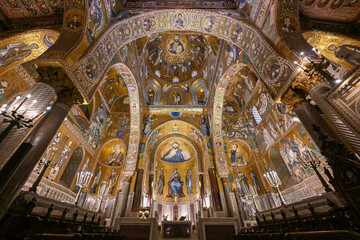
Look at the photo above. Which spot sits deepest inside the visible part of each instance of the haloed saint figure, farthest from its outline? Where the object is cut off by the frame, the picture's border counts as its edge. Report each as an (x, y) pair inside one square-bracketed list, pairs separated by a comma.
[(176, 154), (175, 184), (176, 47)]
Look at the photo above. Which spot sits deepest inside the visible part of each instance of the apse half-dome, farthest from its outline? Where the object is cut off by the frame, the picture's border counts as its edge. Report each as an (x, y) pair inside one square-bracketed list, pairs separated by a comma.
[(176, 58)]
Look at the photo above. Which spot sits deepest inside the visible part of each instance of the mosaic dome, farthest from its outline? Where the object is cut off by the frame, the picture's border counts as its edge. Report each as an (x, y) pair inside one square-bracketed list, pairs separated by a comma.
[(176, 58)]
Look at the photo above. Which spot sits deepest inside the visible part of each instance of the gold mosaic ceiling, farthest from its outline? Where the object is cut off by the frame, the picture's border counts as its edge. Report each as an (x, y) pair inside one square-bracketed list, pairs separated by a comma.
[(176, 57)]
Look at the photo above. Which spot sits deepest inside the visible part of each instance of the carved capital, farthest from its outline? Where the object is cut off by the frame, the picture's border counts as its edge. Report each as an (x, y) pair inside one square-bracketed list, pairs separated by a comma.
[(293, 100), (307, 82), (57, 78), (128, 178), (224, 180)]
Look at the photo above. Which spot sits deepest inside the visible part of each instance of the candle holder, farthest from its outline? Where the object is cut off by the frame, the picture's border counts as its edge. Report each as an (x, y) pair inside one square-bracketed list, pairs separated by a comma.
[(17, 116), (144, 213), (82, 181), (274, 181), (313, 163), (43, 170)]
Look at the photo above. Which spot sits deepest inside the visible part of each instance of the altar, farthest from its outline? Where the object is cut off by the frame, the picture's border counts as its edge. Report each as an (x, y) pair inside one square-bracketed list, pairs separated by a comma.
[(176, 229)]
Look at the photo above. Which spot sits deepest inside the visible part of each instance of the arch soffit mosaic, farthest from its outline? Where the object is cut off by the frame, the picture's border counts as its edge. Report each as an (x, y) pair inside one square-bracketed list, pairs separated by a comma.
[(134, 135), (33, 43), (220, 158), (273, 69)]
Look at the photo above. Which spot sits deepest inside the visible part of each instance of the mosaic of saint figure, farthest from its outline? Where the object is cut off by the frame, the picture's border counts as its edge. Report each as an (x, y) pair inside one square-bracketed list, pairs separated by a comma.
[(96, 181), (255, 180), (175, 154), (347, 53), (243, 184), (74, 23), (49, 153), (60, 161), (3, 84), (122, 127), (112, 179), (176, 98), (204, 126), (147, 127), (161, 182), (14, 52), (179, 22), (97, 125), (176, 47), (175, 184), (116, 157), (96, 16), (237, 159), (188, 181)]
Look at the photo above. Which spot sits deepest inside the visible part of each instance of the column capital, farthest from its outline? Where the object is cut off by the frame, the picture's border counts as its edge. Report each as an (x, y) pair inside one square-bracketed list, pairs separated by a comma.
[(293, 99), (224, 179), (56, 77), (307, 82)]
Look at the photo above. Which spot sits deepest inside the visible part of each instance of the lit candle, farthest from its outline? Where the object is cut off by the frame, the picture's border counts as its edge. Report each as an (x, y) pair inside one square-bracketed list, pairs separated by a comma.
[(26, 98), (37, 116), (33, 102), (13, 102), (3, 108)]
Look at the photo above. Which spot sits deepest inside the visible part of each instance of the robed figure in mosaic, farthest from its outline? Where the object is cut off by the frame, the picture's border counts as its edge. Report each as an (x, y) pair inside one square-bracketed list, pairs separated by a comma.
[(175, 154), (49, 153), (60, 161), (188, 181), (96, 181), (175, 184), (161, 182), (116, 157)]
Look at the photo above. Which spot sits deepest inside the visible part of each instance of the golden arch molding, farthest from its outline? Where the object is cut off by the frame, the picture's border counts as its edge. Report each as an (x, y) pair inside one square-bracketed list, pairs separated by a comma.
[(273, 69)]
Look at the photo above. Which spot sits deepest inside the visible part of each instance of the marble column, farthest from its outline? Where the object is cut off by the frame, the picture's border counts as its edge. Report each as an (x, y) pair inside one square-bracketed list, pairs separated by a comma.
[(124, 197), (137, 196), (116, 208), (308, 115), (347, 129), (23, 161), (202, 190), (229, 205), (317, 89), (215, 190), (149, 197), (18, 169)]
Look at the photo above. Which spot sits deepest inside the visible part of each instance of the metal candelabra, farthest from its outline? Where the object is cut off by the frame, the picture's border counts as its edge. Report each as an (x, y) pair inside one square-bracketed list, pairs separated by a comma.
[(46, 164), (274, 181), (17, 115), (313, 163), (82, 181), (311, 67)]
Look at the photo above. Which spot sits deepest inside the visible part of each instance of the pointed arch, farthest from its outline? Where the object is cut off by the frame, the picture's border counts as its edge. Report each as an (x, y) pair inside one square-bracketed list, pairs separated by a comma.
[(157, 90), (273, 69), (134, 135), (194, 89), (220, 159)]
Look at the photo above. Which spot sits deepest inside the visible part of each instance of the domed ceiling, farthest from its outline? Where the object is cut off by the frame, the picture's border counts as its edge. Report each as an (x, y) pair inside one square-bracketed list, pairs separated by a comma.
[(176, 58)]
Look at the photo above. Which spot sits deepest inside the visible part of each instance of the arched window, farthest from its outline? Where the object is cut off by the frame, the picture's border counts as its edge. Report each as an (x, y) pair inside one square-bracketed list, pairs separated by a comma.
[(256, 114)]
